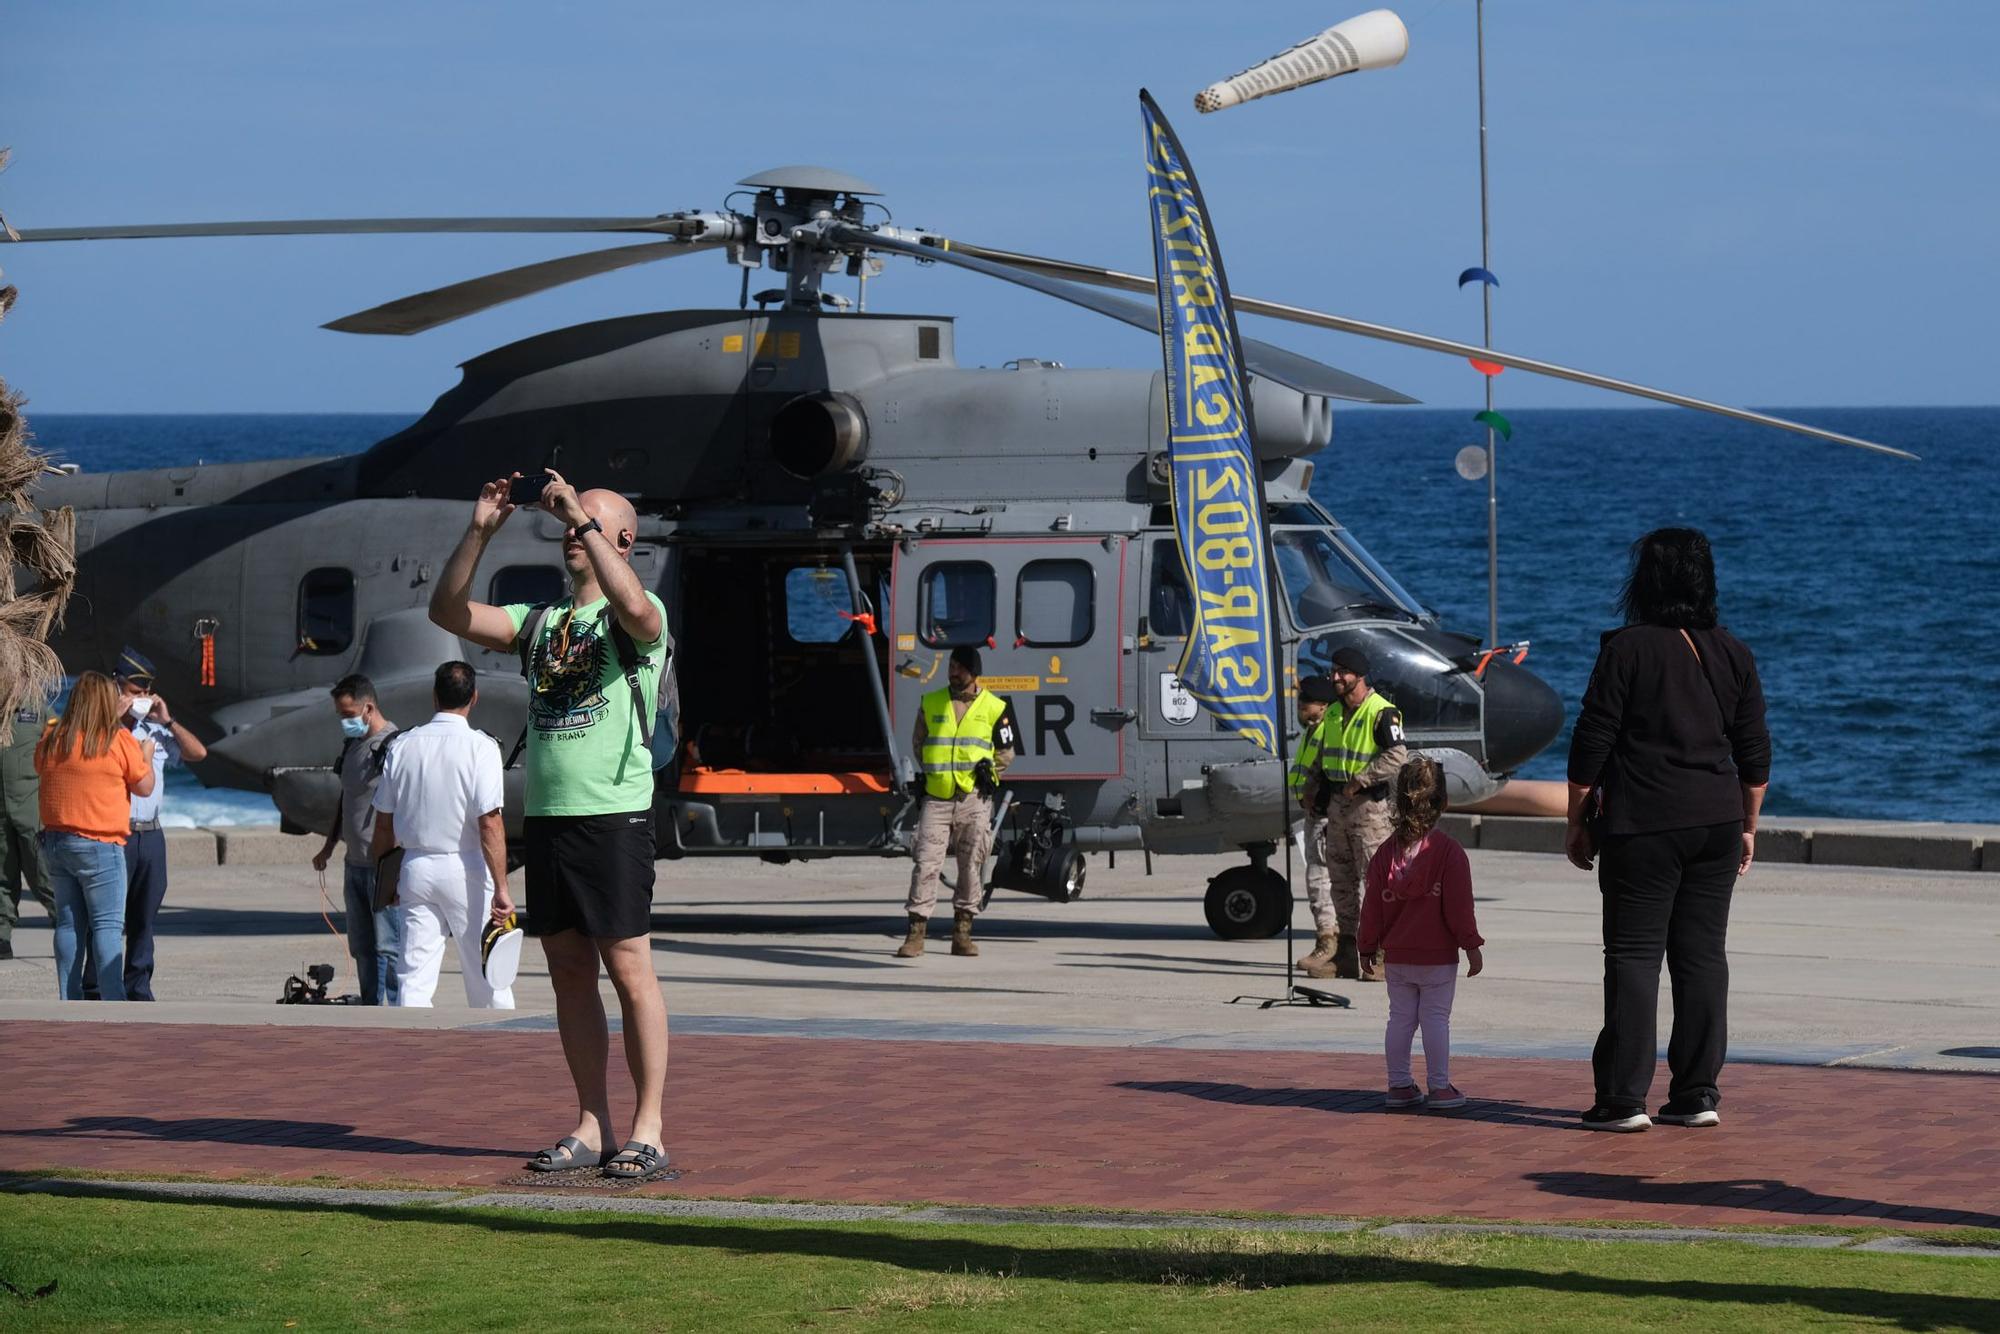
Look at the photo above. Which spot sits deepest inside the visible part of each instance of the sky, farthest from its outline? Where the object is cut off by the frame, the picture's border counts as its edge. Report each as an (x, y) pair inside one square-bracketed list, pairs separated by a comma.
[(1783, 203)]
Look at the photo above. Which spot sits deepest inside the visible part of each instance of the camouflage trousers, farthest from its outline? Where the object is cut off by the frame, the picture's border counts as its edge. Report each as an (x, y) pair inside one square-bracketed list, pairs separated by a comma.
[(1319, 880), (1348, 838), (963, 825), (21, 869)]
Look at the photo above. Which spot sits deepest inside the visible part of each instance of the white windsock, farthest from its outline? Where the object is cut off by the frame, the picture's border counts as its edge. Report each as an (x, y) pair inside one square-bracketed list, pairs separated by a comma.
[(1375, 40)]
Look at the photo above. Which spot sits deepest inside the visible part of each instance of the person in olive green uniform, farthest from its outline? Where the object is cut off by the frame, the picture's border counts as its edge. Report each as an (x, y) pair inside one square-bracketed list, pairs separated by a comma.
[(1310, 791), (1361, 752), (21, 825)]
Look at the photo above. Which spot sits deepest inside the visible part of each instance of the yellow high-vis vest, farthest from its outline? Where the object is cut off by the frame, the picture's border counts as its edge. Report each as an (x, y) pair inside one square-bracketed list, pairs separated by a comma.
[(953, 746), (1347, 747), (1307, 758)]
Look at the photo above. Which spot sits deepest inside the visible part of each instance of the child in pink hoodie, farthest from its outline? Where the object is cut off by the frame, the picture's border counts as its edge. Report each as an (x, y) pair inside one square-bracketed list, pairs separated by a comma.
[(1418, 908)]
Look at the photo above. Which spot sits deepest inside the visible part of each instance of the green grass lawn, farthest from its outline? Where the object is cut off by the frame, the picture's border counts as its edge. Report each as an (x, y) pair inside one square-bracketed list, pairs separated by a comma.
[(129, 1264)]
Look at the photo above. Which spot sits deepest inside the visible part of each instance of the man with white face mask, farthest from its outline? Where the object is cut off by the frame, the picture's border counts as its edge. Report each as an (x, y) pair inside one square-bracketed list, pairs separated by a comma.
[(148, 718), (374, 936)]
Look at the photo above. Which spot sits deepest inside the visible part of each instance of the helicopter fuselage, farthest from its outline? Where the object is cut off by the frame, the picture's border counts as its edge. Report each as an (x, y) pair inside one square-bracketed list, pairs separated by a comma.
[(828, 505)]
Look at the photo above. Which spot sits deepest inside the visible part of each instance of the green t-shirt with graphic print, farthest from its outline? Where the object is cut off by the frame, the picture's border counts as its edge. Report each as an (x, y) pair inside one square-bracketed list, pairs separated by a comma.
[(586, 754)]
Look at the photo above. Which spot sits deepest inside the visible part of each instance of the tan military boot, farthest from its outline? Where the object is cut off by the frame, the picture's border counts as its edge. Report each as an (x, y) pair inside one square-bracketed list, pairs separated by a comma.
[(1322, 951), (961, 935), (1373, 969), (913, 944), (1346, 960)]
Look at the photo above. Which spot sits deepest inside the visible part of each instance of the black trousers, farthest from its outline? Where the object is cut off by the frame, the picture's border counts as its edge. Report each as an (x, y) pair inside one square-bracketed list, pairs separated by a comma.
[(1665, 894), (145, 890)]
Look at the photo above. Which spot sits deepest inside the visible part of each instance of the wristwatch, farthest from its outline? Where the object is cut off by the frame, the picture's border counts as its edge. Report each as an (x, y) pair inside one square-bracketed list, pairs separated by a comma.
[(591, 526)]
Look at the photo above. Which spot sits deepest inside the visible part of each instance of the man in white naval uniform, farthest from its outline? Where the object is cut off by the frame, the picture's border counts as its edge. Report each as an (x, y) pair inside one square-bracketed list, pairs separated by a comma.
[(439, 800)]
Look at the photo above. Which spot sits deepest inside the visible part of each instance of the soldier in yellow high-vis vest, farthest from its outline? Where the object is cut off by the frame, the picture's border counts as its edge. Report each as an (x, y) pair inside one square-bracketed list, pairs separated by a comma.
[(964, 741), (1361, 750), (1310, 791)]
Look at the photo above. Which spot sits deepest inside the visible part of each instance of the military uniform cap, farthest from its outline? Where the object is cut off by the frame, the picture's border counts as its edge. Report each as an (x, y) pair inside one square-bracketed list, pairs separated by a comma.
[(1351, 660), (134, 666)]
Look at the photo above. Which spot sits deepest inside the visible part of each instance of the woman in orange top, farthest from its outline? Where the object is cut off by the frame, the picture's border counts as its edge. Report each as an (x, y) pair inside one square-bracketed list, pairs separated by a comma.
[(90, 769)]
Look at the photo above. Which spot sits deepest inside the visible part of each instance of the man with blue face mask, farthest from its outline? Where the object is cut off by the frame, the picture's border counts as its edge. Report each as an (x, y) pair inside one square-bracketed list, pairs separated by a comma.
[(374, 937)]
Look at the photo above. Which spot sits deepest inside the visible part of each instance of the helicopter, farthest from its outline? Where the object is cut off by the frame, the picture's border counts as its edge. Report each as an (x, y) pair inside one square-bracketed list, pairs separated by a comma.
[(828, 505)]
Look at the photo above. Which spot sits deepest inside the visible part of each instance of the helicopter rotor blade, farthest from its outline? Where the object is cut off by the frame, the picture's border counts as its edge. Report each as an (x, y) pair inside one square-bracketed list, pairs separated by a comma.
[(442, 305), (344, 227), (1132, 282), (1274, 363)]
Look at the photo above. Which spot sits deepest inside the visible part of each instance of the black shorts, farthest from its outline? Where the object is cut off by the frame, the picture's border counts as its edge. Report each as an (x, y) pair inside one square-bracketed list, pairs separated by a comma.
[(590, 873)]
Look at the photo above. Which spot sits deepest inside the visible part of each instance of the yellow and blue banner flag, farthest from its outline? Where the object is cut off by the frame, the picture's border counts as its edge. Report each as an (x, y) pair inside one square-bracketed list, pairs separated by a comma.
[(1232, 664)]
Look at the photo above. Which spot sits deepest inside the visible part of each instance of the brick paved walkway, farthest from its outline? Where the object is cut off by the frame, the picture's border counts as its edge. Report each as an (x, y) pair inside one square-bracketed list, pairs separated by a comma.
[(1001, 1124)]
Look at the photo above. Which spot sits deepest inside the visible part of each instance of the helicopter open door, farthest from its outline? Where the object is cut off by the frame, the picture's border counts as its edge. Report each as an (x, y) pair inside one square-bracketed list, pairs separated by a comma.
[(1047, 615)]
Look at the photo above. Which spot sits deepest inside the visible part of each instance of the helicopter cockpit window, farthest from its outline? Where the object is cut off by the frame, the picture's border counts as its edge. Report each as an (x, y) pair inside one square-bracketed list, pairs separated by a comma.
[(1360, 555), (1052, 603), (957, 604), (326, 611), (533, 585), (817, 605), (1324, 584), (1171, 606)]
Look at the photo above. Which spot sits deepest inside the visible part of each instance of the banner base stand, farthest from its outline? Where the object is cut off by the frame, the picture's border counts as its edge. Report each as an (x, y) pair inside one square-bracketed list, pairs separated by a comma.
[(1295, 994), (1309, 996)]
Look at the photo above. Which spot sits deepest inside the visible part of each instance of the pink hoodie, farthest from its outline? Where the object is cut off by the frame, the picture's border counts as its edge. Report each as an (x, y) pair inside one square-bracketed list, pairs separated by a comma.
[(1419, 908)]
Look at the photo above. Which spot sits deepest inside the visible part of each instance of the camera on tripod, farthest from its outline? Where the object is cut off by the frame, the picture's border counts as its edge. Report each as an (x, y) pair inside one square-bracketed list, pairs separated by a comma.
[(312, 989)]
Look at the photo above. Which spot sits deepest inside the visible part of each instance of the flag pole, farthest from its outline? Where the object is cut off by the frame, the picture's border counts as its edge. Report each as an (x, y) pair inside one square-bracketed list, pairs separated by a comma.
[(1486, 313)]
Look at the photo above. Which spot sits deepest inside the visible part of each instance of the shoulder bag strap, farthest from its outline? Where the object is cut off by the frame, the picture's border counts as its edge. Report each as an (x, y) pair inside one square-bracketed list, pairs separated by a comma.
[(630, 659), (1721, 712), (527, 646)]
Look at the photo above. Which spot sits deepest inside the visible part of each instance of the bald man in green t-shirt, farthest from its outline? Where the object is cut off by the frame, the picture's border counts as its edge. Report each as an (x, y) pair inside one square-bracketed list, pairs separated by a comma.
[(589, 827)]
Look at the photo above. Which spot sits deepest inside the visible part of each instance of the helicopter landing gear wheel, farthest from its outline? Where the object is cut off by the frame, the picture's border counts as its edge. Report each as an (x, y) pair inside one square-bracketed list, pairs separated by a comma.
[(1248, 903), (1063, 877)]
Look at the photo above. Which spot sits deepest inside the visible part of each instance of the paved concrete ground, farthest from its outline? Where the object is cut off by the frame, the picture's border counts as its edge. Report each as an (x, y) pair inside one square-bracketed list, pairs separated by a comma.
[(1831, 964)]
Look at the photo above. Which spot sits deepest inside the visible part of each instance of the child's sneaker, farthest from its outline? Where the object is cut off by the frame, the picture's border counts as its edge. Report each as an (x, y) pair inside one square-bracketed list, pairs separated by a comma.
[(1404, 1098), (1446, 1099)]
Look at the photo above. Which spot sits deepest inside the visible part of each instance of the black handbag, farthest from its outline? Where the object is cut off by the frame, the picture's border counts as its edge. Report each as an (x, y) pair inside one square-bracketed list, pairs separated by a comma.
[(1592, 813), (387, 868)]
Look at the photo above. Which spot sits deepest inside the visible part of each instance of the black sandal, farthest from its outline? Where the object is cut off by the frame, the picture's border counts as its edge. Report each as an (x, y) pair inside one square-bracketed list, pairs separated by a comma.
[(569, 1152), (636, 1162)]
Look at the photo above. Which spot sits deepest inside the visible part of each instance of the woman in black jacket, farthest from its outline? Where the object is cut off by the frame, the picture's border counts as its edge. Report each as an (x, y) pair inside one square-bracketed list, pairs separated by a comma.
[(1667, 768)]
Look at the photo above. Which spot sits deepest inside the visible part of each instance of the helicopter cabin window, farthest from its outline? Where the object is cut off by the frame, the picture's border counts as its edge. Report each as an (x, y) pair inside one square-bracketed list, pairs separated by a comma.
[(1171, 606), (326, 611), (957, 604), (817, 606), (534, 585), (1052, 603)]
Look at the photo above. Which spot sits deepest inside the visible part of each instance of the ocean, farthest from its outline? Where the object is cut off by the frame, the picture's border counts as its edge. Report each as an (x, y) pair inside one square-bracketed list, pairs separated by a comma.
[(1869, 588)]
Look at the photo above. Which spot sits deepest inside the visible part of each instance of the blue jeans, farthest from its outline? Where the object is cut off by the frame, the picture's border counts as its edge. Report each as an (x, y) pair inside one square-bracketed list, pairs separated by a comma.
[(375, 939), (88, 878)]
